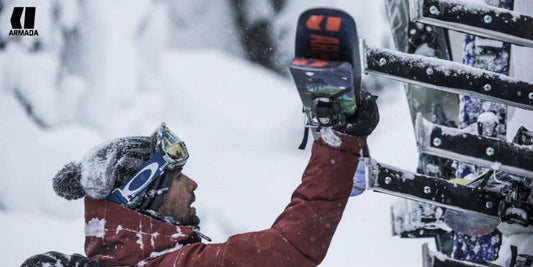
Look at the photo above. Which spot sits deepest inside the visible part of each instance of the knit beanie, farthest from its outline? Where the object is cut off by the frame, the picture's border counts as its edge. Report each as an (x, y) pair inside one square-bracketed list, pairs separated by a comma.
[(107, 167)]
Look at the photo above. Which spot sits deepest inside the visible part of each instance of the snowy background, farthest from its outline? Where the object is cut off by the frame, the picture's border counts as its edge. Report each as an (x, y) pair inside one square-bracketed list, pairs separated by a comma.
[(104, 69)]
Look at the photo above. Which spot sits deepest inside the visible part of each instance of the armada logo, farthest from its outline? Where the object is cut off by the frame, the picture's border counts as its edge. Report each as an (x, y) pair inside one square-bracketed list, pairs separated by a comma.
[(29, 22)]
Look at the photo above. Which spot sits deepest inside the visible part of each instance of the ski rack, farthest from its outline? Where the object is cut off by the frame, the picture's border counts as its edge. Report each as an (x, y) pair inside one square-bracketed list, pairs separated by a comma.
[(479, 150), (447, 76), (477, 199), (390, 180), (475, 18), (394, 181)]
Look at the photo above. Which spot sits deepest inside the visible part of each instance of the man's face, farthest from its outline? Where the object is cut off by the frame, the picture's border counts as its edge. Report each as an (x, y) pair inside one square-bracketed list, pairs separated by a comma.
[(180, 196)]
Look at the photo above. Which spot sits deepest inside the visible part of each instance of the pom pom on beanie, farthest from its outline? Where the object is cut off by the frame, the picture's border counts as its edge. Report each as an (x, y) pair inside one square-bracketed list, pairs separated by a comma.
[(104, 168), (66, 182)]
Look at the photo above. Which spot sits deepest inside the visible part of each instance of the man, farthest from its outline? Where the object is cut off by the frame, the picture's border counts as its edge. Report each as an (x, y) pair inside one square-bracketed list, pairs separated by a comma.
[(138, 203)]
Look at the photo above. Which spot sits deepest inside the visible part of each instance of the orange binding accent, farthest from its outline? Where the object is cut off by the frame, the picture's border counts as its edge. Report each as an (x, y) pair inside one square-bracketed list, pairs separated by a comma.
[(319, 63), (333, 24), (300, 62), (313, 23)]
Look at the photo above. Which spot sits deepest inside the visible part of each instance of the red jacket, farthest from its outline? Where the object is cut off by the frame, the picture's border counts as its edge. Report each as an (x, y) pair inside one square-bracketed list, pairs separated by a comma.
[(300, 236)]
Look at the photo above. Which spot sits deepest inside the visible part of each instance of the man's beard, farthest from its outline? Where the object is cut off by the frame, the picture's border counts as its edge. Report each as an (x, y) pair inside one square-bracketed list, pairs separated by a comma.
[(193, 220)]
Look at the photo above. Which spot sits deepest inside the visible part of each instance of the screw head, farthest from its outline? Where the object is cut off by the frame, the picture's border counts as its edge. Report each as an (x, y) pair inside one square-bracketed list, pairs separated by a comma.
[(429, 71), (382, 61), (487, 87), (427, 189), (489, 205), (434, 10), (388, 180), (437, 141), (490, 151), (487, 19)]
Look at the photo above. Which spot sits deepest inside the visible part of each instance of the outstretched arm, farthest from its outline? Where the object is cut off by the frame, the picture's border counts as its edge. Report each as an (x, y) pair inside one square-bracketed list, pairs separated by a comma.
[(316, 207), (301, 235)]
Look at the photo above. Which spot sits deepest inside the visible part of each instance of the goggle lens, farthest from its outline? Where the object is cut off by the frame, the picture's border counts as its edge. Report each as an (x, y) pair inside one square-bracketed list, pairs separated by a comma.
[(173, 146)]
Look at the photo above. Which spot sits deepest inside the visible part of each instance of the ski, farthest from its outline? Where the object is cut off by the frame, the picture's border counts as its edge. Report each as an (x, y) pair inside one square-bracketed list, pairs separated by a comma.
[(387, 179), (326, 68), (475, 18), (447, 76), (483, 151)]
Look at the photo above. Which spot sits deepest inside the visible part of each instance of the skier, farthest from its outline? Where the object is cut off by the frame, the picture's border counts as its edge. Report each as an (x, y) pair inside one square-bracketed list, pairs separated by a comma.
[(158, 227)]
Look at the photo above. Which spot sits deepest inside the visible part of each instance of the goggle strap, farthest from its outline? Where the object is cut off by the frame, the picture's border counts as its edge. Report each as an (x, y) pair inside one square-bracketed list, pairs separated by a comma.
[(130, 189)]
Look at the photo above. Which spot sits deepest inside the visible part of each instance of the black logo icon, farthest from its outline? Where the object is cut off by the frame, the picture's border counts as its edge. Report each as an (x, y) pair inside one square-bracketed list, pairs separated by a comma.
[(29, 22)]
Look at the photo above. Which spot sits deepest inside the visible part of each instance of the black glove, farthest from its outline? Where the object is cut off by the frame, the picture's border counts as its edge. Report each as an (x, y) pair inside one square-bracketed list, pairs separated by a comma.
[(365, 119), (53, 258)]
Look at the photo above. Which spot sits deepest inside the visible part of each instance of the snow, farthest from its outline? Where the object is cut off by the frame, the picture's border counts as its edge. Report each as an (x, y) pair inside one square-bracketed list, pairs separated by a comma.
[(480, 6), (424, 50), (95, 227), (231, 136), (30, 156), (159, 253), (330, 137), (519, 212), (93, 174), (488, 118), (26, 234), (524, 243)]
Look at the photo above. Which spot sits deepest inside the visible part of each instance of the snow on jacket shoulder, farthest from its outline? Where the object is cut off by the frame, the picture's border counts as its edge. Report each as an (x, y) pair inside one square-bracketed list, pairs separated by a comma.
[(300, 236)]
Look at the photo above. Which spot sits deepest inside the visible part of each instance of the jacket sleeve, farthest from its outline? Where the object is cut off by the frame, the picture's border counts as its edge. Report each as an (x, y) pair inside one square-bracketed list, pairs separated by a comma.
[(301, 235)]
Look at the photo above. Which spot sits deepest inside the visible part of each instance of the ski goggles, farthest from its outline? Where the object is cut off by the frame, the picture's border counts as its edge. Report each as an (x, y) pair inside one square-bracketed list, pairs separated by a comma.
[(171, 152), (174, 150)]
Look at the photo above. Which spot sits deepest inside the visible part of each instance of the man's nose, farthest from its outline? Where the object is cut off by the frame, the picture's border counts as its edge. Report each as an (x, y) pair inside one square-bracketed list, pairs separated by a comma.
[(191, 185), (194, 185)]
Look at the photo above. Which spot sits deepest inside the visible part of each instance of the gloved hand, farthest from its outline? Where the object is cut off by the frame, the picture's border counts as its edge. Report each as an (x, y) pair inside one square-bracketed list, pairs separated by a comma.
[(365, 119), (53, 258)]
